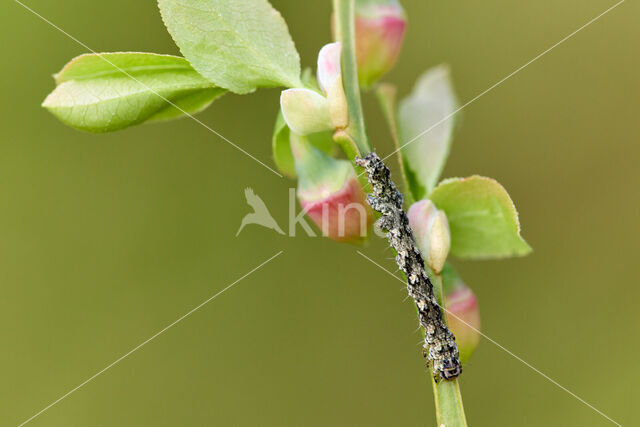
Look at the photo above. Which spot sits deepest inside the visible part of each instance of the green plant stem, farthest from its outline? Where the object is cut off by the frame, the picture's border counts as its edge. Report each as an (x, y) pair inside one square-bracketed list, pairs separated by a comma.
[(344, 12), (448, 400), (386, 95), (446, 394)]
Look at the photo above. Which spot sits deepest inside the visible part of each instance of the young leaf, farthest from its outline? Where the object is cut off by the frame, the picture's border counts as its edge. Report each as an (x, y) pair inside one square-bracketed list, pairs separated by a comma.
[(110, 91), (239, 45), (281, 146), (426, 129), (482, 218)]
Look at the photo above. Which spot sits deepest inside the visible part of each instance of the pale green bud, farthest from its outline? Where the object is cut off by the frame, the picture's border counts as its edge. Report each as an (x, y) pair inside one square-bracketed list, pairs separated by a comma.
[(431, 230), (305, 111)]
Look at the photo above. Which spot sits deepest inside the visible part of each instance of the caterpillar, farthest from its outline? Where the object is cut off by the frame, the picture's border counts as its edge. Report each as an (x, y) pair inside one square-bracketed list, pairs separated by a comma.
[(440, 347)]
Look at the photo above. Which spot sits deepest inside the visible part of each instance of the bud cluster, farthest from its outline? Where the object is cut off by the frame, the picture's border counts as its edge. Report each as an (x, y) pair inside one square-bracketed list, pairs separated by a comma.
[(328, 189)]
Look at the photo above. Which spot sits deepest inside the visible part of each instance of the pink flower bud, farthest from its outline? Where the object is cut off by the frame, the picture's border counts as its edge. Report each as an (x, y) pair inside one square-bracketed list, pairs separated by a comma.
[(380, 28), (431, 230), (330, 194), (463, 317), (307, 111), (330, 81)]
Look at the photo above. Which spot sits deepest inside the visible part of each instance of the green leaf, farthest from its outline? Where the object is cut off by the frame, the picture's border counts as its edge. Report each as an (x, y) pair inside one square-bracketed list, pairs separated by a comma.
[(239, 45), (482, 218), (111, 91), (191, 103), (282, 154), (281, 146), (425, 129)]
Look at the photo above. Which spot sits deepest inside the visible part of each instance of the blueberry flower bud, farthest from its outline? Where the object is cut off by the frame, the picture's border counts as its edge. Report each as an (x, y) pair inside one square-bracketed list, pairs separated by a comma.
[(380, 28), (431, 230), (330, 193), (307, 111), (463, 318), (330, 81)]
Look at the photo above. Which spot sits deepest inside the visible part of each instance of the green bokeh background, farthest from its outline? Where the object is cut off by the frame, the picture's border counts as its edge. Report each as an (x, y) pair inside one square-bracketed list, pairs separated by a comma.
[(106, 239)]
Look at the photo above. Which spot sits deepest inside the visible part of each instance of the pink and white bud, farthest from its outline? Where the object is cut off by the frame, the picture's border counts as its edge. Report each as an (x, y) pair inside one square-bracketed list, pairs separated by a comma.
[(380, 29), (330, 81), (305, 111), (342, 215), (330, 193), (463, 318), (431, 230)]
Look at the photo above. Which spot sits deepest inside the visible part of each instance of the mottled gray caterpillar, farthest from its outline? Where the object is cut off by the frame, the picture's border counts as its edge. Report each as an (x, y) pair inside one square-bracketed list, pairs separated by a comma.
[(439, 343)]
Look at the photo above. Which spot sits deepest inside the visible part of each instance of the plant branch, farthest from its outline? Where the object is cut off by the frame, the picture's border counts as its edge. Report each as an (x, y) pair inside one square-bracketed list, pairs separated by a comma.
[(439, 343), (344, 12)]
